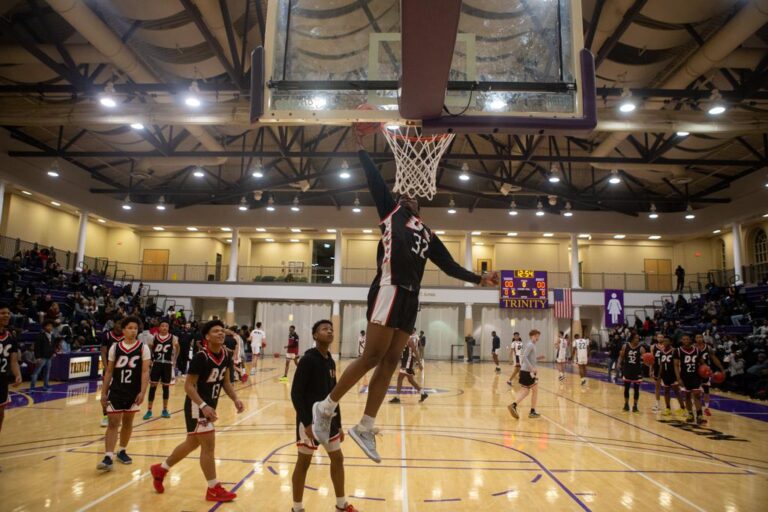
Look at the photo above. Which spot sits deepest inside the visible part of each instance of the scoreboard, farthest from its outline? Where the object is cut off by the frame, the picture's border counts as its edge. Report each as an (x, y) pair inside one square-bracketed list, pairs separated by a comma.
[(523, 289)]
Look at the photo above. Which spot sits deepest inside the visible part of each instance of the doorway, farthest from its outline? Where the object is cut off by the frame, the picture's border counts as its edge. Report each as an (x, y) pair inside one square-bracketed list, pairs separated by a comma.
[(658, 275), (323, 252), (154, 264)]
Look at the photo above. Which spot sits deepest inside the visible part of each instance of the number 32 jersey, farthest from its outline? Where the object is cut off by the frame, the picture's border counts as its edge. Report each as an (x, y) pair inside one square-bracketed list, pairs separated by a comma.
[(210, 369)]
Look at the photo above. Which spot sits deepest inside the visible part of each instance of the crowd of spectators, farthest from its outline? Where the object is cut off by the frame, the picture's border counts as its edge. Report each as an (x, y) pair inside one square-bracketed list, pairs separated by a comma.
[(732, 325)]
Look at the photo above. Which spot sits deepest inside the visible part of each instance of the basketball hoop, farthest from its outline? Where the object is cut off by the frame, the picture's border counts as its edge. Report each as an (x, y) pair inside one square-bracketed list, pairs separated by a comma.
[(417, 158)]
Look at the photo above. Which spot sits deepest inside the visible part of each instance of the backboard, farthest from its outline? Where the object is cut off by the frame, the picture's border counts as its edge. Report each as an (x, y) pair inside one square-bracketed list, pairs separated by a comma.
[(511, 58)]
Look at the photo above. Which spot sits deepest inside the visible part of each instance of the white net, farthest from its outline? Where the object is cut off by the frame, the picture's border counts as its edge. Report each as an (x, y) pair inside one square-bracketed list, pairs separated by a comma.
[(417, 159)]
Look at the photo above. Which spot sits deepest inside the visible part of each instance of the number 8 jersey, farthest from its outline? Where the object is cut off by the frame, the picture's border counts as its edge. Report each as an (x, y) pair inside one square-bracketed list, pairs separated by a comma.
[(210, 369)]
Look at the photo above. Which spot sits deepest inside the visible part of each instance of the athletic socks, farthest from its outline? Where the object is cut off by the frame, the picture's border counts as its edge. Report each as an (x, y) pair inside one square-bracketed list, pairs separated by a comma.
[(111, 455), (341, 502), (297, 506), (121, 449), (367, 422), (328, 405), (212, 483), (165, 465)]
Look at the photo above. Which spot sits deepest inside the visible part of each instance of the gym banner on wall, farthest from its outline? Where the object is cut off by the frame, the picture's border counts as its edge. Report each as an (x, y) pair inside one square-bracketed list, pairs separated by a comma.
[(614, 308)]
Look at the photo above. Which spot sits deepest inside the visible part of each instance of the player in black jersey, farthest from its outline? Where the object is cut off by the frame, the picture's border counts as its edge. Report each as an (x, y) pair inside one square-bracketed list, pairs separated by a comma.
[(125, 382), (109, 338), (208, 375), (656, 371), (393, 301), (165, 350), (315, 377), (408, 359), (687, 372), (707, 357), (666, 357), (631, 359), (9, 360)]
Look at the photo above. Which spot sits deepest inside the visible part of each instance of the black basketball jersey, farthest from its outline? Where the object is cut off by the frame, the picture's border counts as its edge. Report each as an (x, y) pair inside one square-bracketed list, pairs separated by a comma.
[(210, 369), (162, 351), (656, 350), (688, 361), (406, 242), (705, 355), (408, 358), (8, 346), (633, 362), (126, 376), (667, 363), (110, 339)]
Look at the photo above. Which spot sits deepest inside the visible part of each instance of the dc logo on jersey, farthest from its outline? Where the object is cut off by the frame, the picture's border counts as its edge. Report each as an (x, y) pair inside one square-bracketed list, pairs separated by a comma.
[(333, 373), (162, 348), (125, 361), (5, 350)]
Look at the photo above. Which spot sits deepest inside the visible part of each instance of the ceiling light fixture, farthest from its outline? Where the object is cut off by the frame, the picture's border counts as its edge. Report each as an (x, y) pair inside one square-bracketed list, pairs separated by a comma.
[(102, 221), (344, 173), (356, 207), (243, 206), (161, 204), (137, 126), (512, 233), (451, 207), (653, 214), (271, 204), (716, 106), (619, 237), (568, 210), (158, 228), (330, 230), (26, 192), (548, 235), (107, 98), (682, 134), (476, 233), (270, 239), (55, 203), (261, 230), (295, 206), (192, 99), (127, 203), (440, 232), (627, 105), (258, 170), (199, 172), (689, 215), (295, 230), (226, 229), (55, 170), (585, 235), (539, 209), (512, 208), (464, 170), (191, 228), (554, 174), (717, 231), (615, 179), (368, 231), (654, 237), (294, 240)]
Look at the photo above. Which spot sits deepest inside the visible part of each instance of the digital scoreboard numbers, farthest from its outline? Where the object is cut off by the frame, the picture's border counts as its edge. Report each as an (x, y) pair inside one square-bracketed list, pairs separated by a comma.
[(523, 289)]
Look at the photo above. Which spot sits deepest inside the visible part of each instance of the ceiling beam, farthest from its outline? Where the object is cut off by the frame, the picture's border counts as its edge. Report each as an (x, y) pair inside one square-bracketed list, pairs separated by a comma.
[(626, 21)]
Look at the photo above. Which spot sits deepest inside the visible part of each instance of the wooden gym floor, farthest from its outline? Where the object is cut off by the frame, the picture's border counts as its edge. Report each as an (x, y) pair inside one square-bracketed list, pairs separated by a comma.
[(459, 451)]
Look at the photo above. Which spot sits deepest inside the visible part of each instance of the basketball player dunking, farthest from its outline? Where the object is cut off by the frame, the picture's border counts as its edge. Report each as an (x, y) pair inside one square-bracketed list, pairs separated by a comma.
[(393, 301)]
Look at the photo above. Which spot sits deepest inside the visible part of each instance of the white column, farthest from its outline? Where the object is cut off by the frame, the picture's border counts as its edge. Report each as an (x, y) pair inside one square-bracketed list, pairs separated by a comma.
[(337, 268), (468, 255), (233, 248), (737, 263), (230, 316), (469, 328), (336, 320), (81, 235), (577, 313), (575, 282), (2, 199)]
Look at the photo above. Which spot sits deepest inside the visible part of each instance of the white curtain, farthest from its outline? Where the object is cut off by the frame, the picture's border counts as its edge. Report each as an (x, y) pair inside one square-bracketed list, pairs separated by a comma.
[(439, 323), (276, 317), (500, 320)]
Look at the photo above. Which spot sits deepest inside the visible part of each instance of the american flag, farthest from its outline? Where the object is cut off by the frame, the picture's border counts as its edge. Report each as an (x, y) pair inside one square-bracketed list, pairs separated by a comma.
[(563, 303)]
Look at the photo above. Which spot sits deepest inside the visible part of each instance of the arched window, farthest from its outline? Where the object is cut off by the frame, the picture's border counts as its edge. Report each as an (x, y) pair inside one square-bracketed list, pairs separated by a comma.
[(760, 247), (722, 254)]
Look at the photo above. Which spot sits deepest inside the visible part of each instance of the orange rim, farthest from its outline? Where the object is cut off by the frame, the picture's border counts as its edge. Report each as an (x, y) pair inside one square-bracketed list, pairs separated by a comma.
[(429, 138)]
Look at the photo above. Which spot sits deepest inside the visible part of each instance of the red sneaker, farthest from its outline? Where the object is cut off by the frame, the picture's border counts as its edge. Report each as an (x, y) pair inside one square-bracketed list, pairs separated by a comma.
[(348, 508), (158, 474), (220, 494), (707, 412)]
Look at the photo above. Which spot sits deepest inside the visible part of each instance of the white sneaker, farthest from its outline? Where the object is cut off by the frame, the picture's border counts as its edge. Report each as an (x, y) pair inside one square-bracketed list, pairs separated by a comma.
[(321, 423), (655, 408), (104, 422), (253, 371), (366, 439)]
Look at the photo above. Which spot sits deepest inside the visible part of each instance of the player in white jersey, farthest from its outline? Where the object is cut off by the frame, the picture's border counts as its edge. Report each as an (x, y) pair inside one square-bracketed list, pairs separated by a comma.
[(258, 340), (561, 349), (516, 351), (361, 343), (580, 353)]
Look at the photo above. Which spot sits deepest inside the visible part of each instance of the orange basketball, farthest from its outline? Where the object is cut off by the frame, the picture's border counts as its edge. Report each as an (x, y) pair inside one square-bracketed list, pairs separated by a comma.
[(277, 355), (705, 371), (648, 358), (718, 377), (367, 128)]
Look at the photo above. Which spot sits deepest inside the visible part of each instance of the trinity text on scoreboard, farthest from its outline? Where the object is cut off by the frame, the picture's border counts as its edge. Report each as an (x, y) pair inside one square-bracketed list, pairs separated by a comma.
[(523, 289)]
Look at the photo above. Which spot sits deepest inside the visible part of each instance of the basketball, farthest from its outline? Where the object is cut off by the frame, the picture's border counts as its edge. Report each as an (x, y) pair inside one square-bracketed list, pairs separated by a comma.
[(367, 128), (648, 358), (718, 377), (705, 371)]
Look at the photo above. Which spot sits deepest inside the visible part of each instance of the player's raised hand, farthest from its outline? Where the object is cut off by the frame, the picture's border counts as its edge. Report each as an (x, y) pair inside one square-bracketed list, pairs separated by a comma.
[(209, 413), (490, 279), (239, 406)]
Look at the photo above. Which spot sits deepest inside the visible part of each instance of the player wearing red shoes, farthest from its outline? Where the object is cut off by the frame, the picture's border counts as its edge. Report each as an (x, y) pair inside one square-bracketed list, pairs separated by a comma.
[(208, 375), (707, 357), (165, 350), (9, 360), (315, 377), (631, 359), (687, 371)]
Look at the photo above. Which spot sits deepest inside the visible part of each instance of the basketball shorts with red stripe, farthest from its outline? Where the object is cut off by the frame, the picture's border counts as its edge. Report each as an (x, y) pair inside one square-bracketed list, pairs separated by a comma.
[(160, 373), (393, 306), (195, 419), (691, 383)]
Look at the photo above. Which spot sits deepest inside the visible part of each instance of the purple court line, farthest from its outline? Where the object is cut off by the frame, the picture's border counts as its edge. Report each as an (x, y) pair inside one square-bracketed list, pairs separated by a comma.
[(408, 466), (536, 478), (272, 470), (158, 456), (658, 471), (584, 494), (534, 459), (442, 500), (49, 458), (640, 428), (369, 498), (508, 490), (310, 488), (251, 473)]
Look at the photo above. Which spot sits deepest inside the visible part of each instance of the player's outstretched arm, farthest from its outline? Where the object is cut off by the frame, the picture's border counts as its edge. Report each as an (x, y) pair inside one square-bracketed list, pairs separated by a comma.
[(377, 186)]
